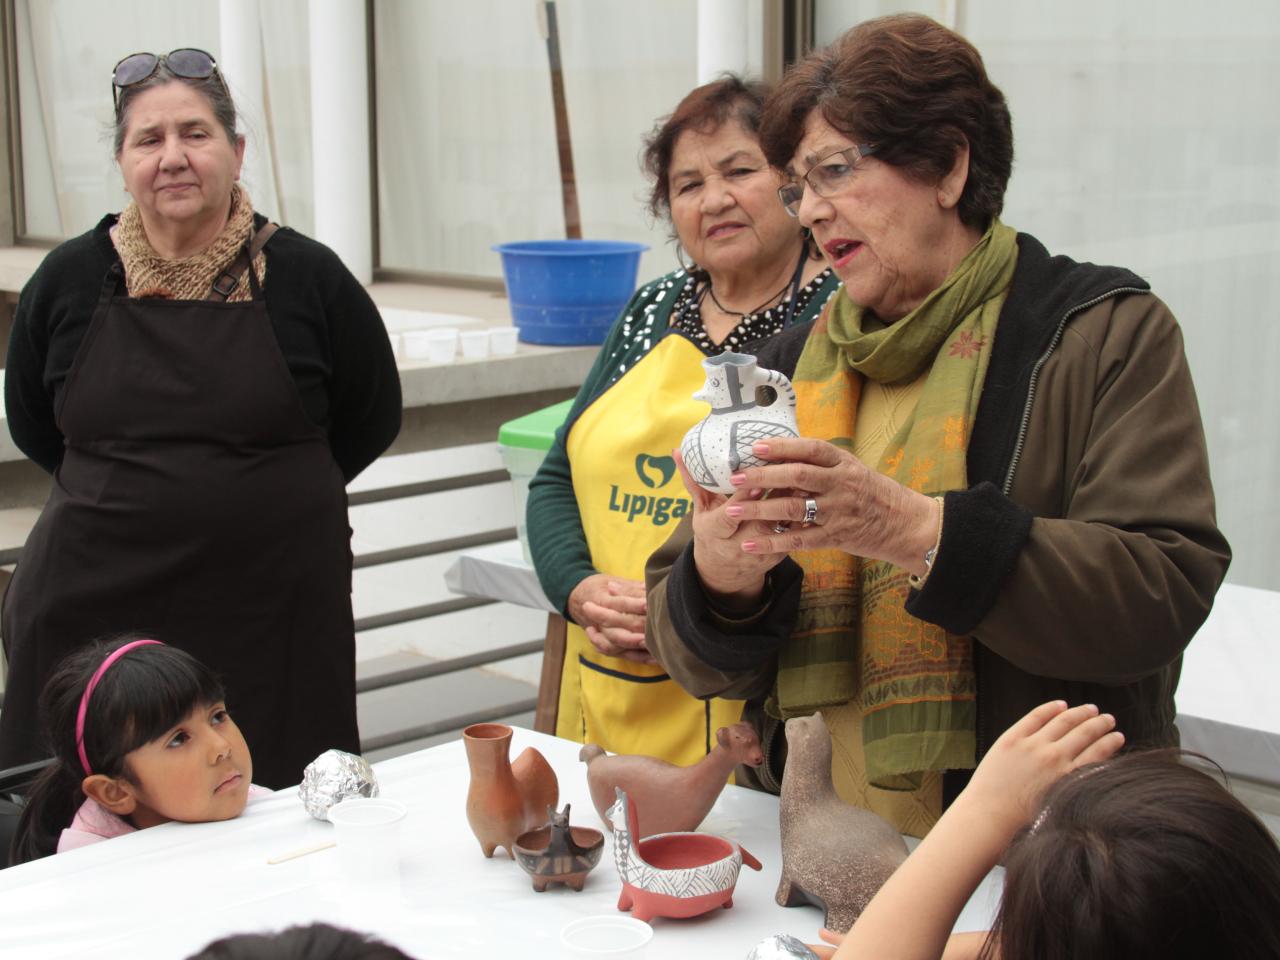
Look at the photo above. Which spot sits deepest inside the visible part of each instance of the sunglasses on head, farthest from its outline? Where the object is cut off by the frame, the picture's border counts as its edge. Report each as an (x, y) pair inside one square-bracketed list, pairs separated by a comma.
[(186, 62)]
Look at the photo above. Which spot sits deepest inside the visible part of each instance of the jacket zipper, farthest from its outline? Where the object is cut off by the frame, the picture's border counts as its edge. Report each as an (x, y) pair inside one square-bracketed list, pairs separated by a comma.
[(1035, 375), (983, 738)]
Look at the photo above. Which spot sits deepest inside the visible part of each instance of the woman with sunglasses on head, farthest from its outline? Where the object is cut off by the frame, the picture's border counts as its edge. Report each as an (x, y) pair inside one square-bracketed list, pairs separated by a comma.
[(202, 386), (753, 274), (1001, 492)]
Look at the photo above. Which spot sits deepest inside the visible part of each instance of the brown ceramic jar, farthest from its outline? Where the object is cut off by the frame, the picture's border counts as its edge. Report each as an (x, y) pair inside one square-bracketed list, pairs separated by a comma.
[(505, 799)]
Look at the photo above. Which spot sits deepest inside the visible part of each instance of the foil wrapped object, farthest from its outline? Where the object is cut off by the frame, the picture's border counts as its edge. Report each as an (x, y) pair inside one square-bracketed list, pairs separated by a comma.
[(781, 946), (331, 778)]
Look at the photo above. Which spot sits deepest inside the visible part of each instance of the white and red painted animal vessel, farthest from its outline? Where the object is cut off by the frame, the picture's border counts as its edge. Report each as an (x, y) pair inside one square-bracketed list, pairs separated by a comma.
[(673, 874)]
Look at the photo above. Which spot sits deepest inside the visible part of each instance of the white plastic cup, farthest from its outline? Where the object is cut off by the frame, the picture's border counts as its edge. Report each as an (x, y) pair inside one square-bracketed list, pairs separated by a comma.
[(502, 340), (475, 344), (605, 935), (442, 344), (416, 344), (367, 831)]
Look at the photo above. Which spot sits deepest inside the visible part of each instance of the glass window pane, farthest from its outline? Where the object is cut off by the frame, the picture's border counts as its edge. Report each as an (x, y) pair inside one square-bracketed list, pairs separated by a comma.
[(1146, 135), (466, 134), (66, 49), (65, 52)]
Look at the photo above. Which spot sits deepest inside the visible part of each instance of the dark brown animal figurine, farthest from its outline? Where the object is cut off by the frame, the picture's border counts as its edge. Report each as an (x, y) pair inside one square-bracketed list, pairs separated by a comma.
[(834, 856), (559, 853), (672, 799)]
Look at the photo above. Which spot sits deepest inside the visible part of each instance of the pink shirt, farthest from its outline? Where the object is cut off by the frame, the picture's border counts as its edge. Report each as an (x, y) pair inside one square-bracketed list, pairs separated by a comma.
[(93, 823)]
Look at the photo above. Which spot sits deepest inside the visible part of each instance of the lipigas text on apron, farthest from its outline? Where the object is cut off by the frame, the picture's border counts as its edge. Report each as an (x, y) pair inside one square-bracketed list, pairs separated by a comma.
[(654, 473)]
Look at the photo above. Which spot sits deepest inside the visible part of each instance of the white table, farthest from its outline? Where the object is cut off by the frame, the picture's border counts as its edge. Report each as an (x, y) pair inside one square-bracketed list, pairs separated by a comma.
[(167, 891), (1227, 708)]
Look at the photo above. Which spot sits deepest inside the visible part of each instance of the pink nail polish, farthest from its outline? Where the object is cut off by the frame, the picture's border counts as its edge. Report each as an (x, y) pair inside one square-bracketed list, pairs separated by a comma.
[(734, 510), (760, 449), (749, 546), (738, 479)]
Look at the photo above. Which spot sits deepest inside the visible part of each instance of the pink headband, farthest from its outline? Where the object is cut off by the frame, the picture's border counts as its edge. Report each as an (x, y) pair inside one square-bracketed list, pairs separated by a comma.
[(88, 692)]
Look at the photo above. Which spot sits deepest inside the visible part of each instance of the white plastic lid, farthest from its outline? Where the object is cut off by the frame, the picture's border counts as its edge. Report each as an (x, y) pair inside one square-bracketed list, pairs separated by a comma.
[(605, 935)]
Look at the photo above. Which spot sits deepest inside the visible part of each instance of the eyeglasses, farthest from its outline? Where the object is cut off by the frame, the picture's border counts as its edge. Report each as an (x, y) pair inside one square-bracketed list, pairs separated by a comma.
[(826, 178), (186, 62)]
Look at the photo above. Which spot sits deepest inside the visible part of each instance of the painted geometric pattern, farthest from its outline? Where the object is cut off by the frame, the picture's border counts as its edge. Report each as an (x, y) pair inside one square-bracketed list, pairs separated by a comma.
[(694, 459), (684, 882), (746, 432)]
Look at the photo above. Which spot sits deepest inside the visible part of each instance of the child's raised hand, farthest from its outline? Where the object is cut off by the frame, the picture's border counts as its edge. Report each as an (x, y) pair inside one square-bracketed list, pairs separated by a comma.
[(1050, 741)]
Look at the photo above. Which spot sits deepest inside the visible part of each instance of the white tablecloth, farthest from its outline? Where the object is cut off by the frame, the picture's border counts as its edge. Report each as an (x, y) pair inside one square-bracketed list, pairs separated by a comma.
[(166, 891), (1227, 708), (498, 571), (1227, 704)]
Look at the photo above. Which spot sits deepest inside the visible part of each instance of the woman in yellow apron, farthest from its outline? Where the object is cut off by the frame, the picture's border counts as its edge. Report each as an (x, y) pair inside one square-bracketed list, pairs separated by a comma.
[(608, 494)]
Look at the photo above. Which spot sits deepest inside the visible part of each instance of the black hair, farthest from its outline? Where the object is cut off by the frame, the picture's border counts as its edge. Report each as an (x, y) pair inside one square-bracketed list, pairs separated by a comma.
[(318, 941), (142, 696), (1143, 856)]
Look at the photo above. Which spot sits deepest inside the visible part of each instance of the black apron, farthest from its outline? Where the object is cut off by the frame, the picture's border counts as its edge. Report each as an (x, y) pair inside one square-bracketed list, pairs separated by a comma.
[(197, 503)]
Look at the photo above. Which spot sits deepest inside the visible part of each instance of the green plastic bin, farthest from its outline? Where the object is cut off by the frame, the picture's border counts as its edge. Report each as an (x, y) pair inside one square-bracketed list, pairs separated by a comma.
[(524, 443)]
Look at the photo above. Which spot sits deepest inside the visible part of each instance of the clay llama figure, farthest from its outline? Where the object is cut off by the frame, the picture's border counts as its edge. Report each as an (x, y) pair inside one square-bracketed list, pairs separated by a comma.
[(834, 856), (558, 852), (673, 874), (672, 798)]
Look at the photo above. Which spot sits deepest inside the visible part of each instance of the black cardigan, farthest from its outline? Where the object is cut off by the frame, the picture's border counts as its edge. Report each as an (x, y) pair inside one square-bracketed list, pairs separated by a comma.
[(328, 329)]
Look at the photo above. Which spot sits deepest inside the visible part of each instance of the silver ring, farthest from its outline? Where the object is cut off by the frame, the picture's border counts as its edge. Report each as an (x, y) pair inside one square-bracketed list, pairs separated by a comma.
[(782, 526), (810, 512)]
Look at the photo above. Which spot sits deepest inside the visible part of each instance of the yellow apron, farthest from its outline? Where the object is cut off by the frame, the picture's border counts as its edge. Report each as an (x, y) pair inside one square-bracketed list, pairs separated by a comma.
[(630, 499)]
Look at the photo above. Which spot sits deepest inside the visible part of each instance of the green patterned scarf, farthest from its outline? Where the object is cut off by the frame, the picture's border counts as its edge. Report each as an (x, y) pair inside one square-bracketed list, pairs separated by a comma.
[(914, 681)]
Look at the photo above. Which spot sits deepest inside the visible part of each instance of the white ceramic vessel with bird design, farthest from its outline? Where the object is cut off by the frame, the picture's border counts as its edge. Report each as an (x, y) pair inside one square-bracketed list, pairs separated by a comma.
[(749, 403)]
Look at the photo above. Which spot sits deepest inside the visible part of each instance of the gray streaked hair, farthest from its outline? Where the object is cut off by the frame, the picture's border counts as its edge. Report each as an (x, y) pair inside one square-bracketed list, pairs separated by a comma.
[(211, 88)]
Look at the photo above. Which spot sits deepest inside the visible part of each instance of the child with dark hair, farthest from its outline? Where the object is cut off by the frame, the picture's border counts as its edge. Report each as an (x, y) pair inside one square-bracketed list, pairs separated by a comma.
[(1140, 856), (140, 736), (318, 941)]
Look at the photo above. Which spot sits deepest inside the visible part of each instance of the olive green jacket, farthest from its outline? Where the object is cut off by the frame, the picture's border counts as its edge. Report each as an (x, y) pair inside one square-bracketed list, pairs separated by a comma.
[(1084, 555)]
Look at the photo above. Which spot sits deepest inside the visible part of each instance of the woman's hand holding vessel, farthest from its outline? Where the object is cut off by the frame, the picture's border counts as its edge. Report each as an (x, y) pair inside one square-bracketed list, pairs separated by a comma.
[(728, 572), (859, 511)]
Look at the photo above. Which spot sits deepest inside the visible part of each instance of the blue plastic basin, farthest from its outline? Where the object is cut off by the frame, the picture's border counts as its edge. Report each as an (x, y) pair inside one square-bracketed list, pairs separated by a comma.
[(568, 291)]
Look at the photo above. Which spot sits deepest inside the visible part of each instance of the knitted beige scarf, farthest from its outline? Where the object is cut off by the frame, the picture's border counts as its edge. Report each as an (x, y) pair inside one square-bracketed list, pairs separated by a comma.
[(147, 274)]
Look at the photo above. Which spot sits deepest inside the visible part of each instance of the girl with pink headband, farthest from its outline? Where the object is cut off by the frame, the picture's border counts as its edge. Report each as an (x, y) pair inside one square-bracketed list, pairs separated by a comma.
[(140, 736)]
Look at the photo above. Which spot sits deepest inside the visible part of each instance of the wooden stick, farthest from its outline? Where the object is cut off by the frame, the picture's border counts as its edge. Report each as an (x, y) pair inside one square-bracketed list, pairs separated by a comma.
[(564, 144), (295, 854)]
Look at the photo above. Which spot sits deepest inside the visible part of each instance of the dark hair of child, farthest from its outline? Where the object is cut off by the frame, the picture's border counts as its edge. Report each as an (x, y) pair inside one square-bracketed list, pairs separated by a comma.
[(319, 941), (143, 695), (1146, 855)]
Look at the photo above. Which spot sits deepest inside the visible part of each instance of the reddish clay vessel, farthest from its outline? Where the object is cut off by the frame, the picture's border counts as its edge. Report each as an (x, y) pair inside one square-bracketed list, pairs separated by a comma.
[(559, 853), (673, 874), (505, 799), (674, 799)]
